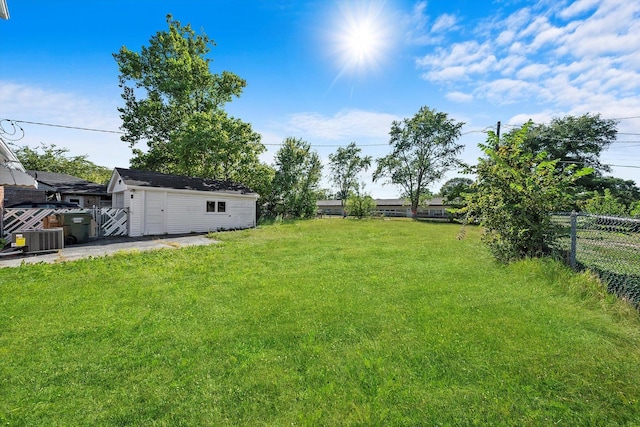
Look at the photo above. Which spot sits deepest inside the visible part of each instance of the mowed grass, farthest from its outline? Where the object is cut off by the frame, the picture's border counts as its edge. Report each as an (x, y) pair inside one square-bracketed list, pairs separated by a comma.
[(322, 322)]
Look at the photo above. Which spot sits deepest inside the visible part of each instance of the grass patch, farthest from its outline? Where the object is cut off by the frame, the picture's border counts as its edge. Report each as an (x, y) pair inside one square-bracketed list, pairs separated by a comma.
[(325, 322)]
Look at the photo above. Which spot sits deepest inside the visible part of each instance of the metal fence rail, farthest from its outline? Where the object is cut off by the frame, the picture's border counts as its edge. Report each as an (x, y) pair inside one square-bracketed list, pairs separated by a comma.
[(607, 245)]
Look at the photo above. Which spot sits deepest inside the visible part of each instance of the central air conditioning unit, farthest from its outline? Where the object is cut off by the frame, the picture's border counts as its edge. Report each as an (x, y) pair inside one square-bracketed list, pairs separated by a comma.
[(34, 241)]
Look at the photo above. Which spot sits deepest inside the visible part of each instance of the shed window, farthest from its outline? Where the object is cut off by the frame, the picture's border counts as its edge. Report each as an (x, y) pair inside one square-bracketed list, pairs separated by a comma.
[(214, 206)]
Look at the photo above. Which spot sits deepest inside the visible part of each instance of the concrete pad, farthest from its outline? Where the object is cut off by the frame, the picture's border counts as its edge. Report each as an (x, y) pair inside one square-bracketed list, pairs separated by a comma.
[(108, 246)]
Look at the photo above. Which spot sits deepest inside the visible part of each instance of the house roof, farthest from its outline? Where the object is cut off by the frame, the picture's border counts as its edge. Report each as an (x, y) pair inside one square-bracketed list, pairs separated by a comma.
[(139, 178), (68, 184)]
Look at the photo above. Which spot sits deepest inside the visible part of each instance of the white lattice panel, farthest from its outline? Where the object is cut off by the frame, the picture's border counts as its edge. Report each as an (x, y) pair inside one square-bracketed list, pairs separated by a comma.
[(111, 221)]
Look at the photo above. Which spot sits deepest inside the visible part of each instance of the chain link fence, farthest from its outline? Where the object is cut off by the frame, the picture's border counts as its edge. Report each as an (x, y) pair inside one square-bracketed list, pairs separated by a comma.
[(607, 245)]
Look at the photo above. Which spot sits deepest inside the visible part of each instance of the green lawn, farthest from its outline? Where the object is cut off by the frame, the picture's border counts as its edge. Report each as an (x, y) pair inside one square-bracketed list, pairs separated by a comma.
[(323, 322)]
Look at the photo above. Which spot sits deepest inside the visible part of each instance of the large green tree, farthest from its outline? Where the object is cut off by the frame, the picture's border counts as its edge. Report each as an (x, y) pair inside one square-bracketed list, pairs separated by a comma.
[(175, 104), (575, 140), (345, 164), (298, 171), (453, 194), (51, 158), (423, 149), (515, 193)]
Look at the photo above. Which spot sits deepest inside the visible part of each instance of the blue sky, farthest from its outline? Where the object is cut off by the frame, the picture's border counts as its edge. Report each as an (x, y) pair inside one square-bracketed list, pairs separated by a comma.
[(333, 72)]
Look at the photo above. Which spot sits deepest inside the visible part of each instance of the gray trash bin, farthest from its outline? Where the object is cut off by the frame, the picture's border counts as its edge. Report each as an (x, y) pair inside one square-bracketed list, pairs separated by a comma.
[(77, 227)]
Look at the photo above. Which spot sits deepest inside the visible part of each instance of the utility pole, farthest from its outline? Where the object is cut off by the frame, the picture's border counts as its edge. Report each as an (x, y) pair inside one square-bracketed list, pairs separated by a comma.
[(498, 134)]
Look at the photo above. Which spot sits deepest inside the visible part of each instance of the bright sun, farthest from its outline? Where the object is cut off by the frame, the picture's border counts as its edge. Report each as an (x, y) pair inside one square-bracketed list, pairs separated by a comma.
[(360, 41), (361, 38)]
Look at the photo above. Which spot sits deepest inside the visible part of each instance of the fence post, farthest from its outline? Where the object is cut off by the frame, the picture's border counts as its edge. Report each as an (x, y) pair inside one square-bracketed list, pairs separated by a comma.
[(574, 240)]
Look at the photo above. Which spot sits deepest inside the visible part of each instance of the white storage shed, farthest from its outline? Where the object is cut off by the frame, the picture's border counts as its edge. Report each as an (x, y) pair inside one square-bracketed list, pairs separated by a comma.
[(170, 204)]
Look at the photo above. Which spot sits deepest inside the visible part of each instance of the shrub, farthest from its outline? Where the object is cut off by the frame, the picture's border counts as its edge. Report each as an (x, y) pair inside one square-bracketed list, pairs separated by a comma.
[(515, 192)]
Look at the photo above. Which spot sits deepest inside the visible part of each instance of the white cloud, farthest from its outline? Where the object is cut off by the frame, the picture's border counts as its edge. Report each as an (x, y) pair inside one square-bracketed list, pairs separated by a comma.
[(505, 37), (418, 30), (541, 117), (539, 24), (589, 60), (36, 104), (578, 7), (447, 74), (416, 24), (459, 97), (444, 22), (509, 91), (345, 126), (463, 59), (509, 64), (612, 29), (546, 36), (532, 71)]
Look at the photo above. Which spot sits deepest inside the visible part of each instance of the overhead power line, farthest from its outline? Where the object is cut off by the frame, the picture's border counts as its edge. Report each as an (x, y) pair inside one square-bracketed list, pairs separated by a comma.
[(67, 127), (479, 130), (12, 121)]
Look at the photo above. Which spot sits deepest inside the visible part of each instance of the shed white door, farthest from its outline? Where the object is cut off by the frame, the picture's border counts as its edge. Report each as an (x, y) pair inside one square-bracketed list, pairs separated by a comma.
[(154, 213)]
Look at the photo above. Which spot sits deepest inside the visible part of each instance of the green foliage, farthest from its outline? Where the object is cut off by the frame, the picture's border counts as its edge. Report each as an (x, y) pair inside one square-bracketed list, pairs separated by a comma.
[(605, 204), (423, 149), (573, 140), (624, 191), (50, 158), (578, 141), (359, 204), (213, 145), (515, 192), (453, 194), (295, 187), (635, 210), (346, 164), (175, 104)]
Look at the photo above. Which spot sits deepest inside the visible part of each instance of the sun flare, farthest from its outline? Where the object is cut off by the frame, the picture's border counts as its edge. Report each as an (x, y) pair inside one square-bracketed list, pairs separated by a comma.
[(360, 38), (360, 41)]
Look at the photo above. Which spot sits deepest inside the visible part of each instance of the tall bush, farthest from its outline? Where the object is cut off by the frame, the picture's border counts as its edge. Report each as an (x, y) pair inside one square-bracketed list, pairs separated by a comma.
[(359, 204), (515, 193)]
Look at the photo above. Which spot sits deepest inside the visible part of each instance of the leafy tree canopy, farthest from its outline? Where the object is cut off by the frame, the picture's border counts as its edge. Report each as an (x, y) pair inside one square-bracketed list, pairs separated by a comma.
[(453, 189), (573, 140), (453, 194), (295, 187), (51, 158), (345, 164), (174, 104), (423, 148)]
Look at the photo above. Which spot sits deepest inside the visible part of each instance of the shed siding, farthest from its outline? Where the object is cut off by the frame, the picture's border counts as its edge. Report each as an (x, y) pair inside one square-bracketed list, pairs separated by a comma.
[(186, 213)]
